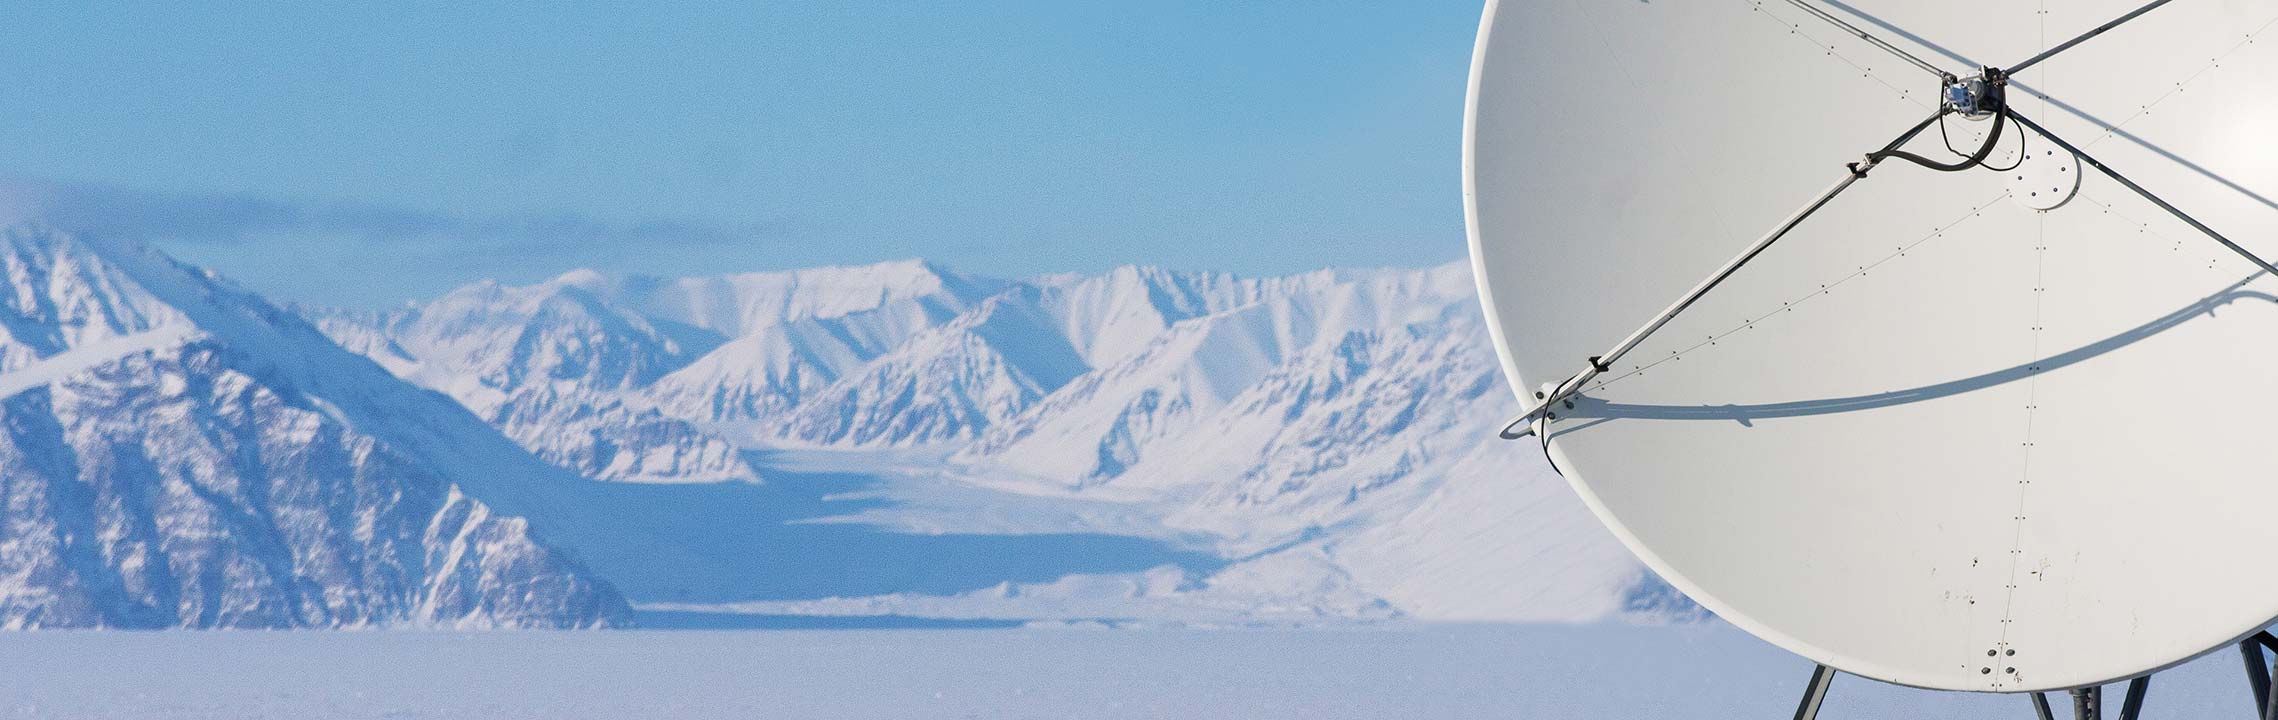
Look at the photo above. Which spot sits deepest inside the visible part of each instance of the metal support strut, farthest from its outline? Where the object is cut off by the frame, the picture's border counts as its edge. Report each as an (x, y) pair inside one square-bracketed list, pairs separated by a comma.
[(1815, 694), (2041, 707), (2085, 37), (2087, 702), (1548, 402), (2146, 194), (2133, 705), (1885, 46), (2258, 672)]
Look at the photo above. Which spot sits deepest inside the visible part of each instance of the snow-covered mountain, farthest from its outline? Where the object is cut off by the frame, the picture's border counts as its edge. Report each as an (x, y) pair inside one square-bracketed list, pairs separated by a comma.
[(1327, 432), (175, 451), (789, 335), (552, 366)]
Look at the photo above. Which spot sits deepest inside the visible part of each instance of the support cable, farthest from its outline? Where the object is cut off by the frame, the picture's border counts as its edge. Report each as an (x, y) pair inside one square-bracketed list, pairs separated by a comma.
[(1548, 402), (1871, 39), (2085, 37), (2146, 194)]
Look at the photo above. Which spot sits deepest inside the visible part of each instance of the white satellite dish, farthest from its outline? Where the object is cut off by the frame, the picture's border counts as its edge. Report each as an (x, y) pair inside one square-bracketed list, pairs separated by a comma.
[(1949, 431)]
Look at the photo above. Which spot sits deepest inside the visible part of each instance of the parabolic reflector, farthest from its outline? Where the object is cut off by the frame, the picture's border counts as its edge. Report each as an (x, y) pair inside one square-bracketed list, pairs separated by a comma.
[(1940, 435)]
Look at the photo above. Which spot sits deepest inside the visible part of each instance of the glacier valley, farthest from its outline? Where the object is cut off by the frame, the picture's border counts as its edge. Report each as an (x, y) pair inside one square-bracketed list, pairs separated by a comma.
[(893, 445)]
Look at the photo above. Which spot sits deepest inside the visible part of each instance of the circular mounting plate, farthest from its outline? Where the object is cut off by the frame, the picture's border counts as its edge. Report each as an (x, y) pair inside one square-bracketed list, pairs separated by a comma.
[(1890, 444), (2045, 179)]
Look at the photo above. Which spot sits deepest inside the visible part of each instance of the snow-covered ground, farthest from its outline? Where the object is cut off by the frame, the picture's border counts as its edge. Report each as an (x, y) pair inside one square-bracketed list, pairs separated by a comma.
[(1432, 671)]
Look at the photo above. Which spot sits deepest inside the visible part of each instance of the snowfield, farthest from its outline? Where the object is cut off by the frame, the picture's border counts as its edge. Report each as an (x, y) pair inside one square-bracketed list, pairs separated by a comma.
[(1588, 672)]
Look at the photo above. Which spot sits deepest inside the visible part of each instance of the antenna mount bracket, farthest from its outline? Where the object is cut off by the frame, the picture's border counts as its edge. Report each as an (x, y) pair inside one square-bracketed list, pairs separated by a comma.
[(1980, 96)]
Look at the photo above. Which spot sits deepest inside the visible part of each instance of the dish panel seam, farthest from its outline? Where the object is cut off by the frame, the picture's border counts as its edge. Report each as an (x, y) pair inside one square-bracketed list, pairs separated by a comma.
[(2114, 129), (2025, 470), (1797, 30), (1823, 289)]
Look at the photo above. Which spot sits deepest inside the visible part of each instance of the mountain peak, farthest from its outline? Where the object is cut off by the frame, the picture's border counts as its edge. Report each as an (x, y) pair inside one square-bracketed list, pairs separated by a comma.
[(126, 375), (587, 279)]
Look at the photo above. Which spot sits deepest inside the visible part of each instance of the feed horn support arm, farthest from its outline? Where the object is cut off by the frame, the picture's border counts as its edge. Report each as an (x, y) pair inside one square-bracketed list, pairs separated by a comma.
[(1991, 83), (2085, 37), (1910, 58), (1566, 269), (1548, 401), (1870, 39)]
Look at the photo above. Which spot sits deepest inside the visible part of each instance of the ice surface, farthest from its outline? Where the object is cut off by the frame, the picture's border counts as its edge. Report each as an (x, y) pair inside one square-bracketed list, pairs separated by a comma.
[(1445, 671)]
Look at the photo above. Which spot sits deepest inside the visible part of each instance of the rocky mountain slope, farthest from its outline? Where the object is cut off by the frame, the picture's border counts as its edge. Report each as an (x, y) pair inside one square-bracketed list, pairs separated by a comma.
[(175, 451)]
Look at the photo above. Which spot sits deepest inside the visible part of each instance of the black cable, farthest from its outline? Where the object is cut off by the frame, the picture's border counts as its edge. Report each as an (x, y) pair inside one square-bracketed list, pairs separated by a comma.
[(1543, 433), (1949, 140), (2020, 154), (2000, 122)]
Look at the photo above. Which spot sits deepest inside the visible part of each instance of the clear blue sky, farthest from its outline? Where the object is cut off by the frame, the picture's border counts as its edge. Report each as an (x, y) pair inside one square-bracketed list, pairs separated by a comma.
[(388, 151)]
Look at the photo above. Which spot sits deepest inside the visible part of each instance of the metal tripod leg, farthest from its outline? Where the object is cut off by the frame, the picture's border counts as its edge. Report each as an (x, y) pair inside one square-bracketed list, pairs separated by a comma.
[(2041, 707), (2087, 702), (2133, 705), (2269, 699), (1815, 694), (2257, 673)]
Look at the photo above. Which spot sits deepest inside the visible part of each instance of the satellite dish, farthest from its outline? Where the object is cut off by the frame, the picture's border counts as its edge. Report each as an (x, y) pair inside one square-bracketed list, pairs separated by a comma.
[(1982, 430)]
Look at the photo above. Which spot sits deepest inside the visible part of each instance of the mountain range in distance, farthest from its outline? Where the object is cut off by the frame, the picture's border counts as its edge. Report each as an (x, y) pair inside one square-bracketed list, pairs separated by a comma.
[(887, 441)]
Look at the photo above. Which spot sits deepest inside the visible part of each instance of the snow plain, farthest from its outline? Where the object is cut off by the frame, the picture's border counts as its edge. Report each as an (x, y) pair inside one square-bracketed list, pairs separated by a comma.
[(1572, 672)]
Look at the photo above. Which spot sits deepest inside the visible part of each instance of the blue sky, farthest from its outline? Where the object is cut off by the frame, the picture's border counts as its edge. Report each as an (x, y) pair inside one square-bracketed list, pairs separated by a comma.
[(368, 155)]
